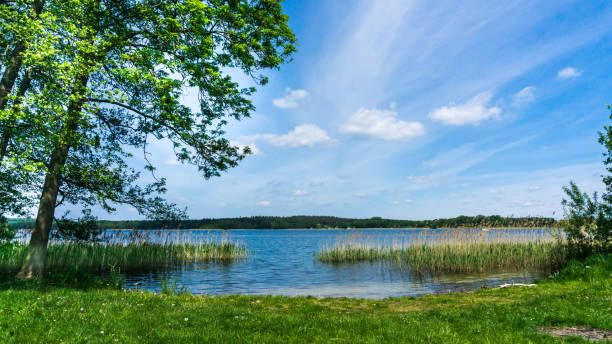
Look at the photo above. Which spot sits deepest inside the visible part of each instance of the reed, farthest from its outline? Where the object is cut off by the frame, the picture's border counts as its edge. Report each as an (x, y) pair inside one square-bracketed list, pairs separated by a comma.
[(456, 251), (130, 252)]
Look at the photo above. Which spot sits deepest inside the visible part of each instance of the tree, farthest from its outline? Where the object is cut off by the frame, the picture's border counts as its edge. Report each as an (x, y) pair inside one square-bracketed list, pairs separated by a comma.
[(588, 219), (20, 22), (114, 82)]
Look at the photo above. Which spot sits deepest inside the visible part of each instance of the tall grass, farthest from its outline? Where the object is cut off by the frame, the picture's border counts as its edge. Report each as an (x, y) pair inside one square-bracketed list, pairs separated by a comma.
[(131, 251), (453, 251)]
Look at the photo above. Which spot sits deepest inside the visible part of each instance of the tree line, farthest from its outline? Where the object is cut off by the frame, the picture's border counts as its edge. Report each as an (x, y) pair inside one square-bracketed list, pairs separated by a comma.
[(294, 222)]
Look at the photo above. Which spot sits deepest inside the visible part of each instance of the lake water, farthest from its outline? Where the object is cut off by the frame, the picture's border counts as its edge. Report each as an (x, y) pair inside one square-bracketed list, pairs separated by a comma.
[(281, 262)]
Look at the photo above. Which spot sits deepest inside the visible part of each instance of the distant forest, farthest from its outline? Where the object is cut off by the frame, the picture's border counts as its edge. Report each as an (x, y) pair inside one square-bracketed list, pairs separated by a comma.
[(293, 222)]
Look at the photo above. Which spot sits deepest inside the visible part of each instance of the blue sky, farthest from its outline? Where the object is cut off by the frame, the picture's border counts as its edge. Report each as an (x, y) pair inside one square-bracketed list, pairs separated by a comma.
[(417, 110)]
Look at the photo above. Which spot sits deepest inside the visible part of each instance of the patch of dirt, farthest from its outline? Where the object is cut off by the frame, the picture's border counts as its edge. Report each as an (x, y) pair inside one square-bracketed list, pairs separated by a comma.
[(592, 334)]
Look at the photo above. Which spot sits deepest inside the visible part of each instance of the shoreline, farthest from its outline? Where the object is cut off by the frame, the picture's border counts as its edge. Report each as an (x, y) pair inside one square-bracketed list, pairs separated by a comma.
[(326, 229), (515, 314)]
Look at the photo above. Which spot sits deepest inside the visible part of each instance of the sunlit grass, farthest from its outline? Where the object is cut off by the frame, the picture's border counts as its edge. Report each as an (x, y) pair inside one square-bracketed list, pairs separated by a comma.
[(131, 251), (453, 251)]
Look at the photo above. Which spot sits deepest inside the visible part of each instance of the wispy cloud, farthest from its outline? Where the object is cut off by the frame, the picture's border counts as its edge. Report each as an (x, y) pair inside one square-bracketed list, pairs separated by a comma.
[(473, 111), (524, 96), (568, 73), (300, 192), (264, 204), (291, 99), (381, 124)]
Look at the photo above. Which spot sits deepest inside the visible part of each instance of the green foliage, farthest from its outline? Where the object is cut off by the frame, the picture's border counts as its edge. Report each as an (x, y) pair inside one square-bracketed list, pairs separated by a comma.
[(597, 267), (587, 223), (107, 78), (82, 230), (7, 234), (588, 220)]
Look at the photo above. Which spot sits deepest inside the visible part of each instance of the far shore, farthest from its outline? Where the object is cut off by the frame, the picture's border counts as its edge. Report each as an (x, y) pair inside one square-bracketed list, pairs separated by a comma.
[(302, 229)]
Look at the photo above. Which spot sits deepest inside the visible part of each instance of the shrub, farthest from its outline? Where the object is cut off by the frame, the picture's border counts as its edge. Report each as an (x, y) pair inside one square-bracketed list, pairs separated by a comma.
[(588, 220), (587, 223), (82, 230), (7, 234)]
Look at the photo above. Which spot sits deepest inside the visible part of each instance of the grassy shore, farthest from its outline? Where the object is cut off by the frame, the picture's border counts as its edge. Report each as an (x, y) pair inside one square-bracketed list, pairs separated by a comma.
[(581, 295), (453, 251), (129, 253)]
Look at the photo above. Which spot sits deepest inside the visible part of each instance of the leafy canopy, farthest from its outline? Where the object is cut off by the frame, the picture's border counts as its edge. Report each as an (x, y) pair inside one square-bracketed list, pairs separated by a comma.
[(108, 80)]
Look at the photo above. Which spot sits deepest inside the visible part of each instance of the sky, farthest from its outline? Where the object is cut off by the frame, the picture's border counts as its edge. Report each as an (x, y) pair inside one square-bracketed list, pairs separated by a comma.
[(417, 110)]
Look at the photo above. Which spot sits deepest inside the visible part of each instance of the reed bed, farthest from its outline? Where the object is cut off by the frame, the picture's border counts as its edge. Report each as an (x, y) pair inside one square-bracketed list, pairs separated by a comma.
[(132, 251), (453, 251)]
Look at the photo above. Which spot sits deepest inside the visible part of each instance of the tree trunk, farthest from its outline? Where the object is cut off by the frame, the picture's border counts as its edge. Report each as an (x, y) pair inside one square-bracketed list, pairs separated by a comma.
[(34, 264)]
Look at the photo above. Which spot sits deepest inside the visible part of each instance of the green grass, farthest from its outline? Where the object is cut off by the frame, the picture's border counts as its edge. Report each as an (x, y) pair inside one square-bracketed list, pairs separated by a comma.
[(580, 296), (135, 256), (453, 251)]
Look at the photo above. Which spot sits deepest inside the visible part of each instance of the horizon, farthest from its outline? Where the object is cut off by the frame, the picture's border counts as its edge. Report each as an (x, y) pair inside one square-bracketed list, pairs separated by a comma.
[(413, 111)]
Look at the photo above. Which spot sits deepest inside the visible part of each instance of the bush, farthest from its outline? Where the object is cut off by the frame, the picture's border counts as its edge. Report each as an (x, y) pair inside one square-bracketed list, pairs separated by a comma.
[(7, 234), (587, 223), (597, 267), (82, 230), (588, 220)]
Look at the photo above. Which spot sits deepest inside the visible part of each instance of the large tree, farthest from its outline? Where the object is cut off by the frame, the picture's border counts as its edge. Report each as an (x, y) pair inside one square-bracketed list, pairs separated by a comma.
[(113, 83)]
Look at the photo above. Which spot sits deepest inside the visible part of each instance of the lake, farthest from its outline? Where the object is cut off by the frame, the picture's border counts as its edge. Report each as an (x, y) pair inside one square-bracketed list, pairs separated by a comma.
[(282, 262)]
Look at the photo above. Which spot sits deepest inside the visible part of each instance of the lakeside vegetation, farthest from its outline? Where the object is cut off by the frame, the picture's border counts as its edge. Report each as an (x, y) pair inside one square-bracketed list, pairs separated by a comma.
[(129, 253), (454, 251), (299, 222), (579, 295)]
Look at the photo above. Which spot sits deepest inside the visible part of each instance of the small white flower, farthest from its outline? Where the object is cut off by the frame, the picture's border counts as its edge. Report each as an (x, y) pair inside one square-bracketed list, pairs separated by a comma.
[(101, 332), (186, 319), (82, 309)]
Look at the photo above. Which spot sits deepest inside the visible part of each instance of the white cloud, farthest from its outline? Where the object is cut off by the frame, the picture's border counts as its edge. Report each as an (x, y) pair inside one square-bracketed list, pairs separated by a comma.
[(524, 96), (291, 99), (473, 111), (302, 135), (568, 73), (241, 147), (172, 161), (533, 188), (264, 203), (381, 124), (300, 192), (408, 201)]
